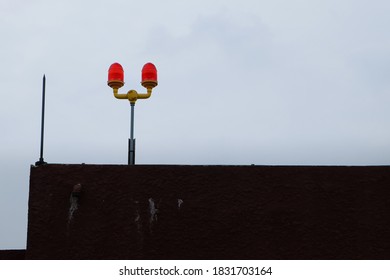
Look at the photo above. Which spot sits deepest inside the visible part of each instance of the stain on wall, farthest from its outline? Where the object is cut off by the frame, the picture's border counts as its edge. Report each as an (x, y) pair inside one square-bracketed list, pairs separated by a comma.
[(209, 212)]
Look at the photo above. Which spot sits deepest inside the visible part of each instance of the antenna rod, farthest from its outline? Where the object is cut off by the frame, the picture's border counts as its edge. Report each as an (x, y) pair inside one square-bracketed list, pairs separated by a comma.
[(41, 161)]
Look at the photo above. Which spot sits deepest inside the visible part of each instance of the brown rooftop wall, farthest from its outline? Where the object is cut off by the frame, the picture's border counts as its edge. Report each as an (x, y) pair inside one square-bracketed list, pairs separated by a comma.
[(12, 254), (209, 212)]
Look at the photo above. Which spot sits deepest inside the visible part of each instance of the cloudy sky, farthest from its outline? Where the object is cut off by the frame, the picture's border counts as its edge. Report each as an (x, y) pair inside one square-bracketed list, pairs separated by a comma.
[(281, 82)]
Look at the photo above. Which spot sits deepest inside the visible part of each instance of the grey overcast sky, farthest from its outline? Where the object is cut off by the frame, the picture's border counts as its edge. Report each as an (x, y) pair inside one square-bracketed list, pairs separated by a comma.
[(281, 82)]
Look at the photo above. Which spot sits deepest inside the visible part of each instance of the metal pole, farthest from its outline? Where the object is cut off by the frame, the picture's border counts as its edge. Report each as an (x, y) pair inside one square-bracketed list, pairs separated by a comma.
[(41, 161), (131, 160)]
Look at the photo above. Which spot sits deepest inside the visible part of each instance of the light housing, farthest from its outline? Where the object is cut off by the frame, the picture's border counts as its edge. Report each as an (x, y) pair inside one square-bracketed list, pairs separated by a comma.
[(115, 76), (149, 76)]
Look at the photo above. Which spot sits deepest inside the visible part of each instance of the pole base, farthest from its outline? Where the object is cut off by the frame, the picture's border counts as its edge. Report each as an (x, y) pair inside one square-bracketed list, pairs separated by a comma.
[(131, 159), (40, 162)]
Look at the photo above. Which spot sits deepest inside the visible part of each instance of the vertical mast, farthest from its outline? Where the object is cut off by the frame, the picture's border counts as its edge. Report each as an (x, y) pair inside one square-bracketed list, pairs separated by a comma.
[(41, 161)]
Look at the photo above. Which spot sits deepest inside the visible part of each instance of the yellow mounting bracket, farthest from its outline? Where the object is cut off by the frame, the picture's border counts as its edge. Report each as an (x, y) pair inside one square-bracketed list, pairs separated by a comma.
[(132, 95)]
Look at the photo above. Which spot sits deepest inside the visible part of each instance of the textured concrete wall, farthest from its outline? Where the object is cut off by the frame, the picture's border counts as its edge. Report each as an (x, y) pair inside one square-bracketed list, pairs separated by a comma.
[(209, 212)]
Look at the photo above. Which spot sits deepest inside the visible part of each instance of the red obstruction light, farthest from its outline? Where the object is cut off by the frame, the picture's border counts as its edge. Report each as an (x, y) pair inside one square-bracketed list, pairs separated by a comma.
[(116, 80), (149, 75), (115, 76)]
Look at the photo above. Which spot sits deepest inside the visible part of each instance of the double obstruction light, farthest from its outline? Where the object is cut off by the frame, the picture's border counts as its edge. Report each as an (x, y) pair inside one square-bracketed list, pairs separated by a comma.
[(116, 81)]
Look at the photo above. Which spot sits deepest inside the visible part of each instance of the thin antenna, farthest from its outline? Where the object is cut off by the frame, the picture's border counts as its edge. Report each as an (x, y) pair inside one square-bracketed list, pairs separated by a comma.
[(41, 161)]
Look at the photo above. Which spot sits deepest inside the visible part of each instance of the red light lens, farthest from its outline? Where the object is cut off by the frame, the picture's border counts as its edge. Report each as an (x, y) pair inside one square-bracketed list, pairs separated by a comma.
[(149, 72), (115, 72)]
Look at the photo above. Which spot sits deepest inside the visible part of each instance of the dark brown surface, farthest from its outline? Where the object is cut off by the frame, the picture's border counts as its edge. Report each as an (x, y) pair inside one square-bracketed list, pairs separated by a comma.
[(12, 254), (228, 212)]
